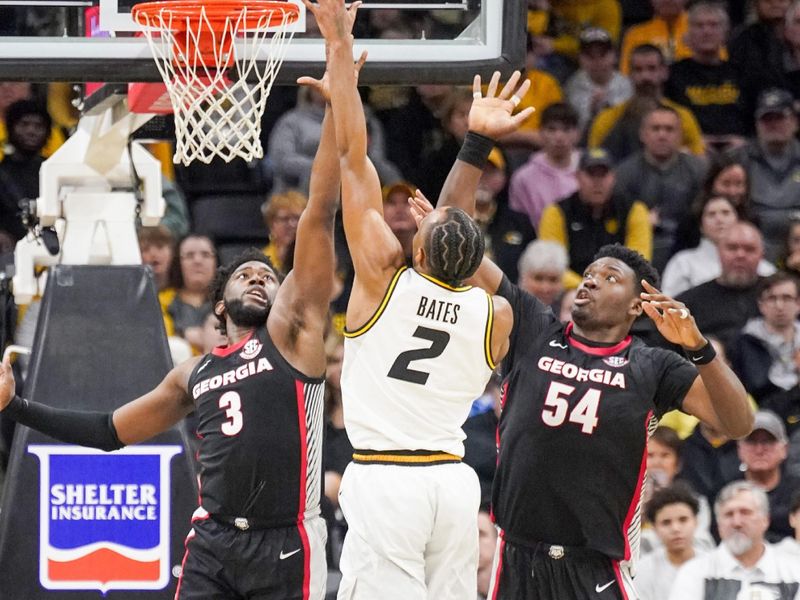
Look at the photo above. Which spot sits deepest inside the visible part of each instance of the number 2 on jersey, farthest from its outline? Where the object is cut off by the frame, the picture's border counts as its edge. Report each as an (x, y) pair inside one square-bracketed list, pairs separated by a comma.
[(556, 406), (401, 370), (232, 402)]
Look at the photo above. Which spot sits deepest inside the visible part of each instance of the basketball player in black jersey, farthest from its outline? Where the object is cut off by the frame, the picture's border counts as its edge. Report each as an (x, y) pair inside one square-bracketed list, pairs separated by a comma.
[(579, 404), (257, 532)]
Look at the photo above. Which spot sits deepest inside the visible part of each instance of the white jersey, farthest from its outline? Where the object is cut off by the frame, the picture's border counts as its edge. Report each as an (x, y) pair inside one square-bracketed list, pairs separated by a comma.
[(411, 373)]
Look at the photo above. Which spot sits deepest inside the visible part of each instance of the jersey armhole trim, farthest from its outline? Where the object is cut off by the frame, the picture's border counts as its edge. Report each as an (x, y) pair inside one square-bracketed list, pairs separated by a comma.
[(487, 337), (376, 315)]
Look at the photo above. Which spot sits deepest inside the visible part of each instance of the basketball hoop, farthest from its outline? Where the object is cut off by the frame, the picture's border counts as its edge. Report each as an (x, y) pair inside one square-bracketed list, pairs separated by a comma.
[(206, 52)]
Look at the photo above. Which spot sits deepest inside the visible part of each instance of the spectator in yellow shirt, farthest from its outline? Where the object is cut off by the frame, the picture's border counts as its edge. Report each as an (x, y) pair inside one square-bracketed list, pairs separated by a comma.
[(595, 216), (572, 16), (617, 128), (666, 30)]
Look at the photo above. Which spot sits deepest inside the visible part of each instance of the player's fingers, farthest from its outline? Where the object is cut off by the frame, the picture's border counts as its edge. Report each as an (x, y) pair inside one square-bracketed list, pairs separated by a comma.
[(418, 193), (308, 81), (652, 312), (681, 314), (522, 116), (508, 88), (310, 6), (649, 288), (361, 60), (476, 87), (491, 92), (523, 89)]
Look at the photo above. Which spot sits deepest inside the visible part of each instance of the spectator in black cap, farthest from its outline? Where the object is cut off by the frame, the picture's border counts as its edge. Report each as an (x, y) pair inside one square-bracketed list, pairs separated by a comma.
[(595, 216), (28, 126), (598, 84), (772, 160)]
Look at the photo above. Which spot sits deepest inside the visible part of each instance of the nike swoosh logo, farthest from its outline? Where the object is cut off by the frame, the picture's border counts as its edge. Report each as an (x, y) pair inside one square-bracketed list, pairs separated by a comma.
[(208, 362), (599, 588), (285, 555), (555, 344), (697, 358)]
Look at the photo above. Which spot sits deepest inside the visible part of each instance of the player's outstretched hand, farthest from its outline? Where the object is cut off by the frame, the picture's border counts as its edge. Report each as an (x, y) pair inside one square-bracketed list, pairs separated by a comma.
[(335, 20), (323, 85), (492, 114), (6, 382), (672, 318), (420, 206)]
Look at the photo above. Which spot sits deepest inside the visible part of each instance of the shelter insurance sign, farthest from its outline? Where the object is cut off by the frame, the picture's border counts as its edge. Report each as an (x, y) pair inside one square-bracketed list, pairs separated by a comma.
[(104, 518)]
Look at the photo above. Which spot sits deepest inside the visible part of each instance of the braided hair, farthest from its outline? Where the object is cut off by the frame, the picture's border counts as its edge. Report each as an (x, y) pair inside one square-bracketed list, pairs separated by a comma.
[(454, 247)]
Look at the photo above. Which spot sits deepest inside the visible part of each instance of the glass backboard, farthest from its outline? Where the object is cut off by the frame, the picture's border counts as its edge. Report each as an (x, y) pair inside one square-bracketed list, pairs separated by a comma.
[(409, 41)]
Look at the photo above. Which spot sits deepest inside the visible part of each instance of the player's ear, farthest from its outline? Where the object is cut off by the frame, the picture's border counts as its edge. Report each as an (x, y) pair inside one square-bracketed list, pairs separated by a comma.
[(419, 257), (219, 308), (636, 306)]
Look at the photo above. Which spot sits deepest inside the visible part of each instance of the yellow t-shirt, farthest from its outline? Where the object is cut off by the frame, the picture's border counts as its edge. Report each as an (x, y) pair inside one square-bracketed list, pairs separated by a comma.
[(638, 234), (656, 31), (607, 119), (543, 92), (580, 14)]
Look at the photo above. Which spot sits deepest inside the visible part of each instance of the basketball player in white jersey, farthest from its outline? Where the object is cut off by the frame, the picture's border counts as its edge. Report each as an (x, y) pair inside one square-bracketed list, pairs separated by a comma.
[(420, 347)]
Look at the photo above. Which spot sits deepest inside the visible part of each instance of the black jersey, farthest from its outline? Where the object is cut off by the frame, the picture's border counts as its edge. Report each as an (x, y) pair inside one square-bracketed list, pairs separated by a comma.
[(260, 428), (573, 432)]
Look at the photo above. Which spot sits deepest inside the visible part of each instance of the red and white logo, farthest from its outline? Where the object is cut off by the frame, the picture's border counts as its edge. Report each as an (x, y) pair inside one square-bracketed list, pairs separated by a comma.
[(251, 349), (616, 361)]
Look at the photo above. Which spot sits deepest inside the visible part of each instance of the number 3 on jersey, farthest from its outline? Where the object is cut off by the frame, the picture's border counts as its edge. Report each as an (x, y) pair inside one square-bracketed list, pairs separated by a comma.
[(232, 402), (556, 406)]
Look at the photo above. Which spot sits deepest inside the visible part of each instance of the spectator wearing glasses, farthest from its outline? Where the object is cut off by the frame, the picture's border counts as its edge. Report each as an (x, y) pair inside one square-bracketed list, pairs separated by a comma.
[(281, 214)]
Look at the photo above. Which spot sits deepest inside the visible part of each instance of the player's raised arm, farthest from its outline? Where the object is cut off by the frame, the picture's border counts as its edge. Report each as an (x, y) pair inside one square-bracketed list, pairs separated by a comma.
[(717, 397), (490, 118), (139, 420), (375, 250)]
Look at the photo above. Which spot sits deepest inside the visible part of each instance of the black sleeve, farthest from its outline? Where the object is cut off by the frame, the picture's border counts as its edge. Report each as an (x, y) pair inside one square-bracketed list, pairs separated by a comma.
[(675, 375), (83, 428), (530, 318)]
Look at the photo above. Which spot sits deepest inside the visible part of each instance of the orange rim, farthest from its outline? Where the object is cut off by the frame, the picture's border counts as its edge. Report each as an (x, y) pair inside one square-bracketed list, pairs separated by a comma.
[(216, 11)]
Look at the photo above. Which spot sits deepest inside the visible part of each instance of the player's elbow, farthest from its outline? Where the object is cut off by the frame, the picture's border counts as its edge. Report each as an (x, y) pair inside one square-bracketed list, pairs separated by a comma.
[(742, 426)]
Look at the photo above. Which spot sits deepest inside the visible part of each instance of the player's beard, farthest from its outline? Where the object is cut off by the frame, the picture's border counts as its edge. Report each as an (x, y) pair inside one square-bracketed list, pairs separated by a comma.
[(738, 543), (247, 316)]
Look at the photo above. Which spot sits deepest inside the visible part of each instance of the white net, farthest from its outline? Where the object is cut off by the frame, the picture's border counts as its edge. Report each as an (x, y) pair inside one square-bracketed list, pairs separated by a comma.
[(217, 87)]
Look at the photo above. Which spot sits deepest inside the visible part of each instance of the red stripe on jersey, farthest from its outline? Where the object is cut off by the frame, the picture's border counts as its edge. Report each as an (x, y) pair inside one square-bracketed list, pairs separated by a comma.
[(301, 509), (497, 439), (596, 350), (620, 582), (227, 350), (502, 542), (637, 493)]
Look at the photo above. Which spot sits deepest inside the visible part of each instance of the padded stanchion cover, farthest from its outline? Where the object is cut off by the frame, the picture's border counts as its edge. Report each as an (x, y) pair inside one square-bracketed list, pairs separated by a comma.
[(80, 523)]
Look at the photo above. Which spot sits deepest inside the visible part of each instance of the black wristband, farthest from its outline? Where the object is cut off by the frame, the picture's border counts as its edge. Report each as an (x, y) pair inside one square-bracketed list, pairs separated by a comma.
[(14, 407), (701, 356), (475, 149), (83, 428)]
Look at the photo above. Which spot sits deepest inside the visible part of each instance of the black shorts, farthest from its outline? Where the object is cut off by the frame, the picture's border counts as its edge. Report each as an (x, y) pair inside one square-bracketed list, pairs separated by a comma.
[(226, 563), (549, 572)]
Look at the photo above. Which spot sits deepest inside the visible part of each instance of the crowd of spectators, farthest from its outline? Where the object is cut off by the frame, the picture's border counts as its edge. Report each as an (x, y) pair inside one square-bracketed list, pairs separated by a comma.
[(671, 129)]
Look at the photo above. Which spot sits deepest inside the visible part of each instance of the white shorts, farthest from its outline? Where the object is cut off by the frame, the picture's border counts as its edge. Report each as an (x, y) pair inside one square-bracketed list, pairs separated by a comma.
[(412, 532)]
